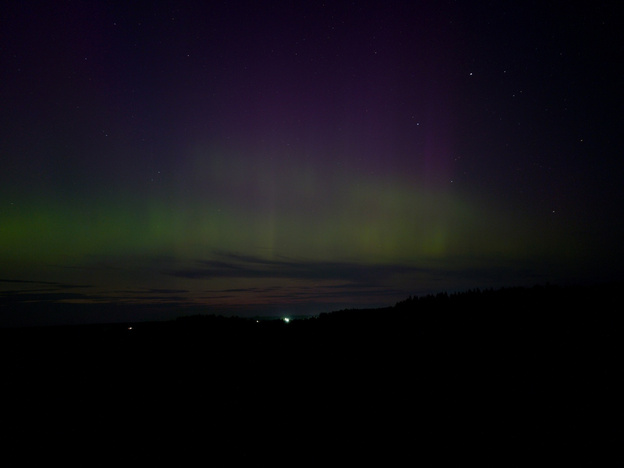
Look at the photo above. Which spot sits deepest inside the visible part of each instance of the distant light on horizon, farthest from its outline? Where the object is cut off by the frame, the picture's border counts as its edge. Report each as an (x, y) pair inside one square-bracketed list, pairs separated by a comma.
[(286, 319)]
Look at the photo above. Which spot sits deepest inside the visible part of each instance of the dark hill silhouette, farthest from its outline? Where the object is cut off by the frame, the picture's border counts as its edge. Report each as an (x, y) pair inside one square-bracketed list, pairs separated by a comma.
[(499, 376)]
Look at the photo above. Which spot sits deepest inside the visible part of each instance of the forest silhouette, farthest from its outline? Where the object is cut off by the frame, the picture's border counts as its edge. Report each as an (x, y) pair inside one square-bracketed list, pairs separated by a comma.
[(499, 377)]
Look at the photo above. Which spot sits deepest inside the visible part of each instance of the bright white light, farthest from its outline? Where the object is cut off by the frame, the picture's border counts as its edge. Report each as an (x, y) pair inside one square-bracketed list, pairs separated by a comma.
[(286, 319)]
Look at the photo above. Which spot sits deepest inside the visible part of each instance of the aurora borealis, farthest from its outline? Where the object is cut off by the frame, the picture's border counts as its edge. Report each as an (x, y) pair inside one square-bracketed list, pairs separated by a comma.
[(273, 157)]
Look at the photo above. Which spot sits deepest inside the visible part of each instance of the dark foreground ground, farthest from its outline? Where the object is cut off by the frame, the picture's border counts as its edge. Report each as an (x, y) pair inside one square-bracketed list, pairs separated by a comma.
[(512, 377)]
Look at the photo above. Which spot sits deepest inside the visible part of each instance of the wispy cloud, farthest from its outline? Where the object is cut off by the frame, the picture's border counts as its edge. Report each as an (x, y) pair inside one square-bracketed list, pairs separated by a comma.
[(232, 265), (14, 297), (45, 283)]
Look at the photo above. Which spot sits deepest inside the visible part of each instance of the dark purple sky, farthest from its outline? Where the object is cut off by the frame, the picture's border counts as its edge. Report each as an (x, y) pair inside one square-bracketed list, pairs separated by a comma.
[(287, 157)]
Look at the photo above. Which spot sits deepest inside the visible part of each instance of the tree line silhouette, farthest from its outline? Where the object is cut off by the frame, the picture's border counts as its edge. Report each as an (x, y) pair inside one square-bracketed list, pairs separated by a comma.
[(500, 375)]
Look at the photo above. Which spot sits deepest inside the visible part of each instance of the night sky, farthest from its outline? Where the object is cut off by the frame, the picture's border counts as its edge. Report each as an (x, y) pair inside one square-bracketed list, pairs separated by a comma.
[(302, 157)]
